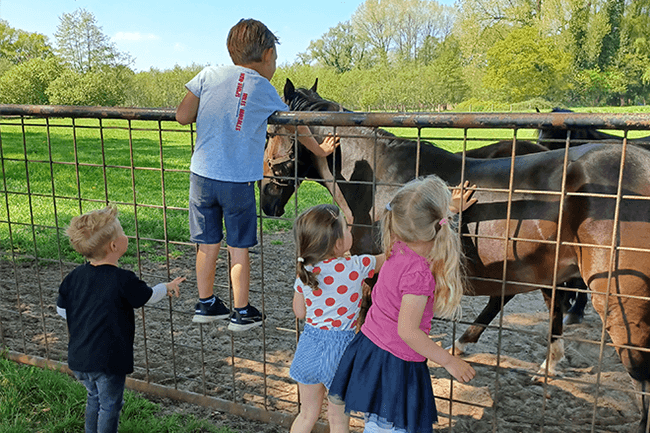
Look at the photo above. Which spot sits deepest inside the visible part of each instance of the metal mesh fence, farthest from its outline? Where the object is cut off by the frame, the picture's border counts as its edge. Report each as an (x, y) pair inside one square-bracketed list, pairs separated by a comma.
[(58, 162)]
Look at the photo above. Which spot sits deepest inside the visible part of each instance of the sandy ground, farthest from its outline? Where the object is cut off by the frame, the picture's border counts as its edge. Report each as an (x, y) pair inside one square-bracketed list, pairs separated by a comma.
[(179, 354)]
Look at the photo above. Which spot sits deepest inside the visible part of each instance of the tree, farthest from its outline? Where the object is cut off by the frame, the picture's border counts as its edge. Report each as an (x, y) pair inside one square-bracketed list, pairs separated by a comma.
[(372, 23), (526, 65), (82, 45), (339, 48), (27, 82), (156, 88), (18, 46), (449, 84), (101, 86), (400, 27), (611, 41)]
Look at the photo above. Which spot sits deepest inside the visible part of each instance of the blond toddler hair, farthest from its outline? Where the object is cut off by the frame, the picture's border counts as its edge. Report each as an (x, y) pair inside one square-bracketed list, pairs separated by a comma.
[(91, 232)]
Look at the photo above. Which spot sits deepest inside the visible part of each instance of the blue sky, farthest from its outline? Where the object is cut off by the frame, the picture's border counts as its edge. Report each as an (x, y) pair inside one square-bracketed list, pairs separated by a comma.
[(164, 33)]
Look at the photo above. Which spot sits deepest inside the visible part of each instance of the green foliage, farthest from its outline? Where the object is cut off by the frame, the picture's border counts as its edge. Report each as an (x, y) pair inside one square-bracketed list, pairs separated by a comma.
[(339, 48), (595, 86), (104, 86), (18, 46), (403, 87), (478, 105), (156, 88), (27, 83), (526, 65)]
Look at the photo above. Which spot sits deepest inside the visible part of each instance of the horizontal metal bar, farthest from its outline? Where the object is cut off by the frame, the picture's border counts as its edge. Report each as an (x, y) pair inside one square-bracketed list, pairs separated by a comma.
[(629, 121), (634, 121)]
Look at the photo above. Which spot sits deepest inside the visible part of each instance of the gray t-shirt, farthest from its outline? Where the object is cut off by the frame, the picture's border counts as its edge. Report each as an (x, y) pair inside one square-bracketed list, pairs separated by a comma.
[(234, 106)]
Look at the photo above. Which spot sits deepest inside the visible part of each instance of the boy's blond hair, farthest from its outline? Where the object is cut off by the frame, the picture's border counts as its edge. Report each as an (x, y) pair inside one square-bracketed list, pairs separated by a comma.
[(247, 41), (91, 232), (415, 215)]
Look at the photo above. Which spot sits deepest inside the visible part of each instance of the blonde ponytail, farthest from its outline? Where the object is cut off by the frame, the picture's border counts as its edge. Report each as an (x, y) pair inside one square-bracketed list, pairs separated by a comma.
[(446, 259)]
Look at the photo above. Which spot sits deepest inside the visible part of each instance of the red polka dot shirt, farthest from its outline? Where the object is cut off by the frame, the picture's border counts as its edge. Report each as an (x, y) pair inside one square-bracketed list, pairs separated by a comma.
[(335, 305)]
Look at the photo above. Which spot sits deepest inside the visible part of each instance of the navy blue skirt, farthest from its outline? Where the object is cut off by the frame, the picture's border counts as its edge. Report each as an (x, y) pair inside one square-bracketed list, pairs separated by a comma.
[(376, 382)]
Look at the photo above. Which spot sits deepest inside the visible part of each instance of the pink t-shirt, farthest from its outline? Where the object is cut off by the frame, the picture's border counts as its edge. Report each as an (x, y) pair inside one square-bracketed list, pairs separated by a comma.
[(405, 272), (335, 305)]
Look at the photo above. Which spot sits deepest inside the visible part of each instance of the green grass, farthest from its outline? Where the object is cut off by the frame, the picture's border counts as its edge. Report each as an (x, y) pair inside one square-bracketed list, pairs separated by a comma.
[(51, 158), (37, 400)]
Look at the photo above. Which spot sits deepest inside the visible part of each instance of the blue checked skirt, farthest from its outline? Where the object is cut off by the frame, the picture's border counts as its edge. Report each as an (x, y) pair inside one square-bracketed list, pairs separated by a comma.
[(318, 354), (390, 391)]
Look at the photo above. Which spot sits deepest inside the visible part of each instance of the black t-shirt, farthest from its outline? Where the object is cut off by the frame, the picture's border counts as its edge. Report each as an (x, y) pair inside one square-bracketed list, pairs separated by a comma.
[(99, 303)]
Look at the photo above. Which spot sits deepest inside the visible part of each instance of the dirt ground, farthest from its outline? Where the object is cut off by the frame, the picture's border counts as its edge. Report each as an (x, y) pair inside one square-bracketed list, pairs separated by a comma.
[(174, 352)]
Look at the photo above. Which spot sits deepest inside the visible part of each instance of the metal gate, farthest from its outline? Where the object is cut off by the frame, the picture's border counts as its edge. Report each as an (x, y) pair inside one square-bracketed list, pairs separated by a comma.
[(61, 161)]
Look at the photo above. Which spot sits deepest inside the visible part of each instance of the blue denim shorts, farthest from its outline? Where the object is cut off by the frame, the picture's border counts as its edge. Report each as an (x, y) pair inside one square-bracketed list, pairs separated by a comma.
[(213, 203), (318, 355)]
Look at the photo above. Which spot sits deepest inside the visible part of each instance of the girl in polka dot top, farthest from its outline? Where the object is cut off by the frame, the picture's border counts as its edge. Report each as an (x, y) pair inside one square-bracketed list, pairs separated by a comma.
[(327, 295), (383, 372)]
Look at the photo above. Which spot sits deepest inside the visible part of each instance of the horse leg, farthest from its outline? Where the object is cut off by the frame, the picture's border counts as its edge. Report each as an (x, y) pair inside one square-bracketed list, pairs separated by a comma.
[(556, 351), (473, 333), (643, 387), (576, 313)]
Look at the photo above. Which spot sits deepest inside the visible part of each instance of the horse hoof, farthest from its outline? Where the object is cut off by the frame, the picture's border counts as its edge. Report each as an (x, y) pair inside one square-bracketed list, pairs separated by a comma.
[(457, 348), (573, 319), (541, 374)]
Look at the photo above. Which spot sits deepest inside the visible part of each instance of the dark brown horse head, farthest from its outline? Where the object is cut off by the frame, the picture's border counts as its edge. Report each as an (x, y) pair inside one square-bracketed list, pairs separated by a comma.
[(302, 99), (279, 181), (286, 163)]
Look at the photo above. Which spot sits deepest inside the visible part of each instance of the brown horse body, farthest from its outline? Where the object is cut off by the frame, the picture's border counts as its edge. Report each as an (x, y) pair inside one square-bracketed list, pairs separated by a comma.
[(604, 233)]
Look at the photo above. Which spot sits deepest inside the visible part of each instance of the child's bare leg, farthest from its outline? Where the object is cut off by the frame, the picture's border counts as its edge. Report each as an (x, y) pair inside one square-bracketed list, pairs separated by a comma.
[(338, 419), (311, 401), (206, 262), (240, 274)]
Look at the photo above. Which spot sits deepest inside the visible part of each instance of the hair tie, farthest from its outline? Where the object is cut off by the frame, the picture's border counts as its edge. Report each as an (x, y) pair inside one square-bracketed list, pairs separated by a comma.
[(388, 207), (301, 260), (442, 221)]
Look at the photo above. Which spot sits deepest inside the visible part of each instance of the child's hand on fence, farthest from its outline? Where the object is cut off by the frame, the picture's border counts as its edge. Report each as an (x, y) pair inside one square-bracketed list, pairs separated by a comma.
[(172, 286), (461, 370), (330, 143), (462, 201)]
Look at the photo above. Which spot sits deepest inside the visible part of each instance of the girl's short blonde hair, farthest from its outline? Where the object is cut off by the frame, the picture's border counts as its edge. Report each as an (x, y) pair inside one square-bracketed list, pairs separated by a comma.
[(316, 231), (419, 211), (91, 232)]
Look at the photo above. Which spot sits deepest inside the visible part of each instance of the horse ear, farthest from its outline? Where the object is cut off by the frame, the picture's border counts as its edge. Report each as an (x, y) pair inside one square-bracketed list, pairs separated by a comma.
[(313, 88), (289, 89)]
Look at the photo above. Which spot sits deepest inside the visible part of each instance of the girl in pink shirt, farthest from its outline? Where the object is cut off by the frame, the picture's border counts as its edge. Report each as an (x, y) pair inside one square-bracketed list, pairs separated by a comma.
[(328, 296), (383, 372)]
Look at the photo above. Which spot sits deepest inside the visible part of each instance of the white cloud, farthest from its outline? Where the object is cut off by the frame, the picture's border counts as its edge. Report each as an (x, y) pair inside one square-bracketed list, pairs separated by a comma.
[(135, 36), (179, 47)]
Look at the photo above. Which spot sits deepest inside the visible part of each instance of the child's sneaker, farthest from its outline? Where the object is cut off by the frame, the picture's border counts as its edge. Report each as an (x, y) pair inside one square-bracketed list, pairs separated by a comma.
[(245, 319), (206, 312)]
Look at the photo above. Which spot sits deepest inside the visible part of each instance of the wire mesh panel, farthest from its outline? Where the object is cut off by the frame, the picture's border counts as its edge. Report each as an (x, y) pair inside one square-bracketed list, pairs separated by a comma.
[(541, 222)]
